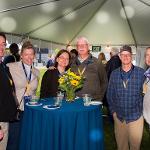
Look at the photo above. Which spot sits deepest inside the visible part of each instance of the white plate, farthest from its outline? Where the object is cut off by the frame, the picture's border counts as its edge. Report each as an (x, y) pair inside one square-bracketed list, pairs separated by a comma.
[(77, 97), (95, 103), (38, 104), (51, 106), (32, 103)]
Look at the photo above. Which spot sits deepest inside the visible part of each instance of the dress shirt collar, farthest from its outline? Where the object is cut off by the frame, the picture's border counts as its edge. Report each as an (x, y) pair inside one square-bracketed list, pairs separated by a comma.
[(87, 61), (28, 69)]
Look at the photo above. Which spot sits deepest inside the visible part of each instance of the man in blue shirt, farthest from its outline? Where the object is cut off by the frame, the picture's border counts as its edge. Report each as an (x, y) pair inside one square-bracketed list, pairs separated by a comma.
[(125, 101)]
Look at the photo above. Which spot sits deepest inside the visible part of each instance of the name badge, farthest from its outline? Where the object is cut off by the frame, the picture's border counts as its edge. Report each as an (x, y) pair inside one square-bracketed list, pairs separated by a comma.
[(27, 98)]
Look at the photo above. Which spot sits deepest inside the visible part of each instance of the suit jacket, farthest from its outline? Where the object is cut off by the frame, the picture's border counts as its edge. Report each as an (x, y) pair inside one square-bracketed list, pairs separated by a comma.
[(8, 105), (20, 80), (11, 58), (112, 64)]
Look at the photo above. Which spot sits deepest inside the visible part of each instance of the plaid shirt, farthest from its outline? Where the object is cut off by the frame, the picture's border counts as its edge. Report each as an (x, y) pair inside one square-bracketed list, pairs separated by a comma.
[(126, 102)]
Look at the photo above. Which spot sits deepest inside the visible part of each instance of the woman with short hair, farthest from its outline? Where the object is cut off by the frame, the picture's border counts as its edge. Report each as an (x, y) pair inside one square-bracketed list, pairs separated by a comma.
[(25, 77)]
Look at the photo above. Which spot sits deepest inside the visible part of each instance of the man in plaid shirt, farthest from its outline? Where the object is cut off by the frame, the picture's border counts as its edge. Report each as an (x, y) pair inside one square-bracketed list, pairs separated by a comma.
[(125, 101)]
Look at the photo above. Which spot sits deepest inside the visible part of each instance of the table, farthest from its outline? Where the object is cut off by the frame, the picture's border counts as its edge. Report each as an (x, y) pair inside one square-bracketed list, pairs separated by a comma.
[(71, 127)]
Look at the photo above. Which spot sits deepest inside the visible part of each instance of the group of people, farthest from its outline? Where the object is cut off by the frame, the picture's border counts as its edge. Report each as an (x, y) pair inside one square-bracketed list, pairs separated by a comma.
[(124, 92), (22, 80), (95, 75)]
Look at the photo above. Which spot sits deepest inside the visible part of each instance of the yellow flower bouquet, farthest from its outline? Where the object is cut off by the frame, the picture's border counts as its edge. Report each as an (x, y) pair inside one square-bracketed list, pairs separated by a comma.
[(70, 82)]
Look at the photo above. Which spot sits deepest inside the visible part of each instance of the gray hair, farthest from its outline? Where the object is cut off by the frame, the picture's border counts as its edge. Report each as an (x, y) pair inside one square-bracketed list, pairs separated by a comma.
[(114, 51), (84, 39)]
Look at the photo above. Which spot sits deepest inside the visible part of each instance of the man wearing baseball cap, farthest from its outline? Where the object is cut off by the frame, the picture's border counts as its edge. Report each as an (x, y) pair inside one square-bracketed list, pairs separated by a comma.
[(125, 101)]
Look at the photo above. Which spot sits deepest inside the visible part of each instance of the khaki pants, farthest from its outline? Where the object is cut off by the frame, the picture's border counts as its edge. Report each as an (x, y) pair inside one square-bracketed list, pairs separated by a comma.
[(128, 136), (3, 143)]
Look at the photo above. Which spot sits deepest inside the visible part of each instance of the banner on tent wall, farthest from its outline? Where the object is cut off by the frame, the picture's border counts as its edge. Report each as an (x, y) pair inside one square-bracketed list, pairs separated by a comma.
[(96, 48)]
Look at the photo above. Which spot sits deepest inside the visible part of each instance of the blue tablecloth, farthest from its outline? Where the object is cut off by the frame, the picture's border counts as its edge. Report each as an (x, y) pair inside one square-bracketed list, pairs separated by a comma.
[(71, 127)]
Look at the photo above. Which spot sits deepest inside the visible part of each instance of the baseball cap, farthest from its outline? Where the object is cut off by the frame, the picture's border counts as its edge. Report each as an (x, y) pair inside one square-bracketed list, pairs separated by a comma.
[(126, 48)]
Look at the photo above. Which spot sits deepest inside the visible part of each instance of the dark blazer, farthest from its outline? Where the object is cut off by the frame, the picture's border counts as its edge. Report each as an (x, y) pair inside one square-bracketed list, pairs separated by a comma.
[(11, 58), (112, 64), (49, 85), (8, 105)]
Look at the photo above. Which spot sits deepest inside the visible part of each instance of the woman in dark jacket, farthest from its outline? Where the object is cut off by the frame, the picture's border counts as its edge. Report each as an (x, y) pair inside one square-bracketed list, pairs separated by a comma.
[(49, 85)]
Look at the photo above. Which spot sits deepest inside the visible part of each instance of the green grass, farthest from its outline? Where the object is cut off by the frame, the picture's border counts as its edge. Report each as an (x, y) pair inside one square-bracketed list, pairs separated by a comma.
[(109, 138)]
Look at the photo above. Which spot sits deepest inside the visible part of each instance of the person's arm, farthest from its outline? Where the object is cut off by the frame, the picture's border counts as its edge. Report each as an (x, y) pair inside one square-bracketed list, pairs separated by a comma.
[(110, 93)]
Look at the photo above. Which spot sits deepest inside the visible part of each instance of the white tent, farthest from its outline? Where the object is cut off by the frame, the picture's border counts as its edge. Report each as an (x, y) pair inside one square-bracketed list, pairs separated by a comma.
[(55, 23), (103, 22)]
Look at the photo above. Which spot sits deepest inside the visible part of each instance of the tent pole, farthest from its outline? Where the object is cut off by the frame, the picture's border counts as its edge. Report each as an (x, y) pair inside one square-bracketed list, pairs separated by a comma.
[(103, 2), (144, 3), (39, 60), (28, 5), (11, 38), (22, 36), (128, 21), (61, 16)]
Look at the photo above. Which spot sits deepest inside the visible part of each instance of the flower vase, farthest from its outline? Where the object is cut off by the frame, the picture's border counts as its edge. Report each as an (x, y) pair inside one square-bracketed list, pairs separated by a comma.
[(70, 95)]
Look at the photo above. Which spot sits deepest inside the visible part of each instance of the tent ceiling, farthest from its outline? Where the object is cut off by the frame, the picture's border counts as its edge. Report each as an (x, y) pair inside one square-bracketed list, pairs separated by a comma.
[(101, 21)]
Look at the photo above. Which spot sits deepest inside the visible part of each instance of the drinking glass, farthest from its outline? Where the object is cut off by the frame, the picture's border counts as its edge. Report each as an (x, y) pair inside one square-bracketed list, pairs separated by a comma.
[(58, 101), (34, 100), (60, 94), (86, 99)]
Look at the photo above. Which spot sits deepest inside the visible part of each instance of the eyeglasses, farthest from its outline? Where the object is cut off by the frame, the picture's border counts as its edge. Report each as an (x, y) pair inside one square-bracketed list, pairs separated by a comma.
[(63, 58), (125, 55), (82, 45)]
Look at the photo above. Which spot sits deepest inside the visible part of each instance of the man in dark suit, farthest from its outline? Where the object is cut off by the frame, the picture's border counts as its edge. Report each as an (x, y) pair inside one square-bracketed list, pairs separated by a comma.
[(111, 65), (8, 105), (114, 61)]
